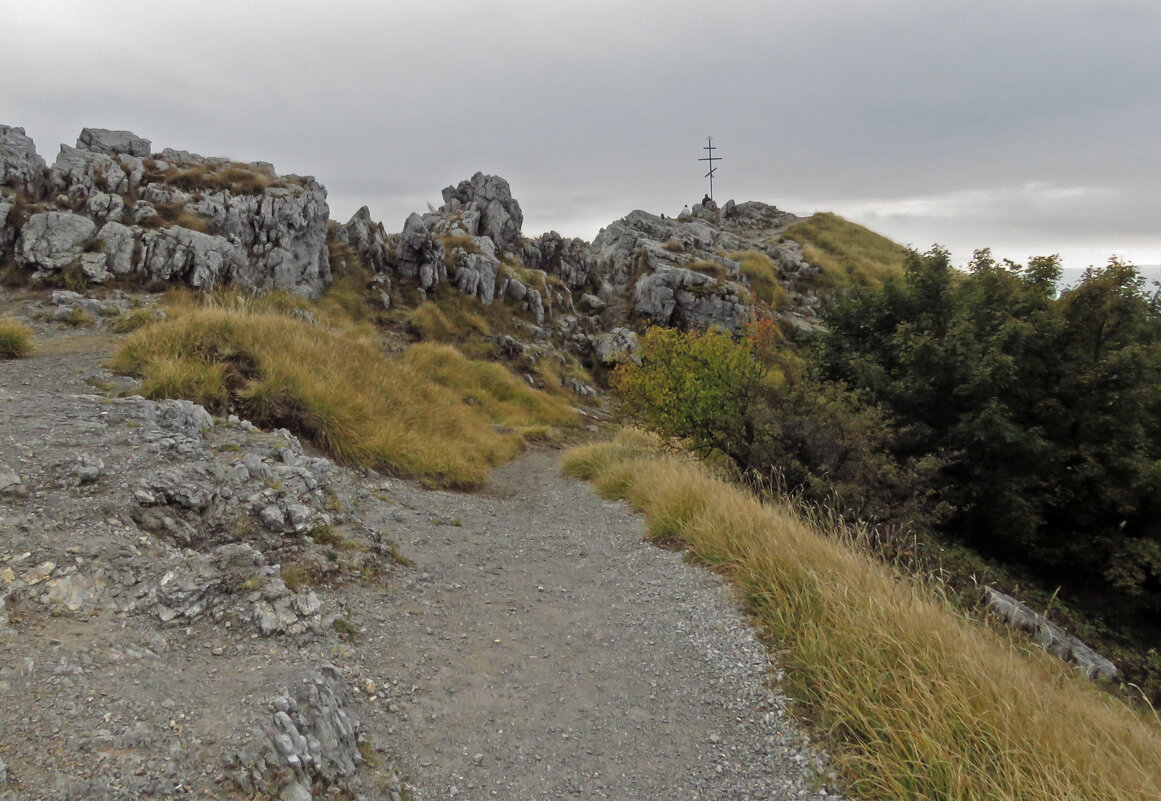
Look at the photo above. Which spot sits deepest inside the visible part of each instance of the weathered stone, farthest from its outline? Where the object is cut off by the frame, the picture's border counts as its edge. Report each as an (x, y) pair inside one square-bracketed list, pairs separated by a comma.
[(568, 259), (52, 240), (1049, 636), (21, 167), (475, 274), (104, 206), (281, 232), (88, 469), (500, 217), (615, 346), (200, 260), (680, 297), (102, 140), (85, 172), (10, 483), (368, 238), (309, 735), (119, 245)]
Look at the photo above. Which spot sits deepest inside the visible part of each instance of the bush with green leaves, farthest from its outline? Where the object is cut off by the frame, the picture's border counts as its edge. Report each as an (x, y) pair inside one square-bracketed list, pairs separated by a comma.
[(1046, 407), (811, 438)]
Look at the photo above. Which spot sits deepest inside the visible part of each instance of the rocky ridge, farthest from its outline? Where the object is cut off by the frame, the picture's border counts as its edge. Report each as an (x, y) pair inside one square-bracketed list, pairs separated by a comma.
[(109, 210)]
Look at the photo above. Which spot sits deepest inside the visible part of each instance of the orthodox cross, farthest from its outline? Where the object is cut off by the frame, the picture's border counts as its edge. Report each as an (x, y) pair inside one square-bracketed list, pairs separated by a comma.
[(711, 158)]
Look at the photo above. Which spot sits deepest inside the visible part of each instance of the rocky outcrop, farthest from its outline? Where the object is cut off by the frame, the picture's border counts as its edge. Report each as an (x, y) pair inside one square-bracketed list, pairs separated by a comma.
[(110, 209), (179, 254), (21, 168), (672, 296), (102, 140), (420, 254), (368, 239), (309, 741), (52, 240), (485, 206), (568, 259)]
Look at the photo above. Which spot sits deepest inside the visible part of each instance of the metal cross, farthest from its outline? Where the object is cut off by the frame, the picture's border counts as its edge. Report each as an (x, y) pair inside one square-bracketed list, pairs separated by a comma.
[(711, 158)]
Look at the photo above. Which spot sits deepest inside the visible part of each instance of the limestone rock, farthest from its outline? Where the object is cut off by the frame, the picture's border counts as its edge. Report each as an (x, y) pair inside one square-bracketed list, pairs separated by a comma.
[(614, 346), (368, 238), (119, 246), (566, 258), (1049, 636), (104, 206), (475, 274), (200, 260), (281, 233), (10, 483), (310, 739), (497, 213), (21, 167), (52, 240), (83, 172), (102, 140), (420, 254), (688, 299)]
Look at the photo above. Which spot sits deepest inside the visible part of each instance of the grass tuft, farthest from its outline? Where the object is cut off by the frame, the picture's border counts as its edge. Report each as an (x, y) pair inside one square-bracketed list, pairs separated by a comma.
[(15, 339), (763, 277), (916, 701), (430, 412)]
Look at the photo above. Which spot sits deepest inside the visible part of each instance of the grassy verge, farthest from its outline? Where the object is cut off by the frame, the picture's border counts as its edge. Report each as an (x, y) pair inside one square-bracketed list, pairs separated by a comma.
[(916, 702), (845, 252), (430, 413), (15, 339)]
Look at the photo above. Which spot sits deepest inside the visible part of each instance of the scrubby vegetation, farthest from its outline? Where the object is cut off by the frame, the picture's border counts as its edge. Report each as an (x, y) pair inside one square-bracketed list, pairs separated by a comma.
[(845, 252), (915, 701), (952, 409), (430, 412), (15, 339)]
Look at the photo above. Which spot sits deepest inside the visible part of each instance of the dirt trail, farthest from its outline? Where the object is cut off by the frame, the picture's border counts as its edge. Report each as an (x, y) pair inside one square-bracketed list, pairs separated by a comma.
[(535, 648), (553, 654)]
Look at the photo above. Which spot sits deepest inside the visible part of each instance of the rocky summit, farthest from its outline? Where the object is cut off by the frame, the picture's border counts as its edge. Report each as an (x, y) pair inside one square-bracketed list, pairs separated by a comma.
[(110, 209)]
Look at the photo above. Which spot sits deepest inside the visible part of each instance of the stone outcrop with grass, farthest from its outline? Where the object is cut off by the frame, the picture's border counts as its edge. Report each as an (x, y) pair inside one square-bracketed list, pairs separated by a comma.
[(107, 209)]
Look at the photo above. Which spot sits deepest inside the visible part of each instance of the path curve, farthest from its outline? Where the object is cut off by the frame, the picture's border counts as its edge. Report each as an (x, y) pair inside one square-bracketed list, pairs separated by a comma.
[(547, 652)]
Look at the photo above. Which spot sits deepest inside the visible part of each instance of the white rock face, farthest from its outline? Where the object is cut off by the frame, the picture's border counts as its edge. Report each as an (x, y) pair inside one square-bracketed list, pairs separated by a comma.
[(282, 232), (84, 172), (102, 140), (207, 221), (687, 299), (21, 168), (200, 260), (488, 209), (53, 239)]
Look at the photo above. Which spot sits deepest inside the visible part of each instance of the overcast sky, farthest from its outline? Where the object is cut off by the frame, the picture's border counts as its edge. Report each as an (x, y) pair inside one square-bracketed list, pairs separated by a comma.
[(1031, 127)]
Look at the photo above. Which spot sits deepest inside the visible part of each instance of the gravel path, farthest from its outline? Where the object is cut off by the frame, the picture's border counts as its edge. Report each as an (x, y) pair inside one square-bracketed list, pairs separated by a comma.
[(550, 653), (535, 648)]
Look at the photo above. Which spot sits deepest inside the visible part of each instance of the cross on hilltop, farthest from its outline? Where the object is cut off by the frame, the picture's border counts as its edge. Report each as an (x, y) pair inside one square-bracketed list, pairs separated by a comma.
[(711, 158)]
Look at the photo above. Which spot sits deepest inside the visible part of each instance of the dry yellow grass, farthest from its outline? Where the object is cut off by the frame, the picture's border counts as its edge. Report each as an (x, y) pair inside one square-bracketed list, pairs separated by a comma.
[(15, 339), (915, 701), (431, 413), (845, 252), (759, 269)]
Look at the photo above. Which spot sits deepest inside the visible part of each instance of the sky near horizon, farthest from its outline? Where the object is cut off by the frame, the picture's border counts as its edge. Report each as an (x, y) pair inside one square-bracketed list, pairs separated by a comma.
[(1027, 126)]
